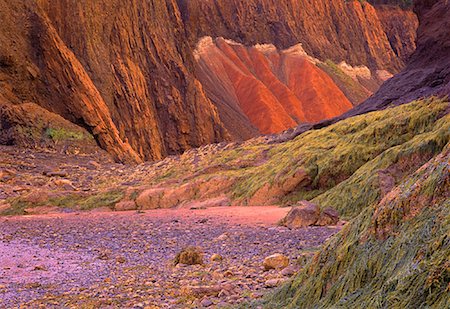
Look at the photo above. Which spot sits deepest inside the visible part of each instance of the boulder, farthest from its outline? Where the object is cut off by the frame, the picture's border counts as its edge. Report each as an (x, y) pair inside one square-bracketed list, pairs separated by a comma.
[(270, 194), (303, 215), (289, 271), (42, 210), (189, 256), (329, 216), (125, 205), (150, 199), (276, 261)]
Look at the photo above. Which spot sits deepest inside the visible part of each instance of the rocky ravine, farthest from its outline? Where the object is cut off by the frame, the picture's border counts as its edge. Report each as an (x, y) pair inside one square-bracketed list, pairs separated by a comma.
[(125, 71)]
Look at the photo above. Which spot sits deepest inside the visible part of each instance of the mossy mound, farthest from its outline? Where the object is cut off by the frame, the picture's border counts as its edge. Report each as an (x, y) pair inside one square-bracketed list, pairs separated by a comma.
[(394, 254), (332, 155), (83, 202)]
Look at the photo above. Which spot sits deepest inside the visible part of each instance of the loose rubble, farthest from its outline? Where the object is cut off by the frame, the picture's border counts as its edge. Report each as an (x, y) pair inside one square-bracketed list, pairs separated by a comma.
[(127, 259)]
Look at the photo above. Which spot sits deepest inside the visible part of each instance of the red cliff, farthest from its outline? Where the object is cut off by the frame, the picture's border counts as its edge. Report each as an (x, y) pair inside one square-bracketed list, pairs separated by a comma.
[(274, 89), (125, 70)]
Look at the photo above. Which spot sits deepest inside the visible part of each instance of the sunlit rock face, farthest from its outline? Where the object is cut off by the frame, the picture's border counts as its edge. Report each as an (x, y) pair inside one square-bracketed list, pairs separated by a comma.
[(275, 90), (126, 70)]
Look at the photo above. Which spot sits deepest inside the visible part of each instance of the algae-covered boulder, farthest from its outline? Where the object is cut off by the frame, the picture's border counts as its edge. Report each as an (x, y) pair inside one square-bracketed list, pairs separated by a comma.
[(303, 215), (328, 216)]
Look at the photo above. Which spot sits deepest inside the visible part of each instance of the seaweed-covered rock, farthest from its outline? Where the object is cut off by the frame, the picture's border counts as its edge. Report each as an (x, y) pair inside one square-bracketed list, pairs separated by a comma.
[(329, 216), (305, 214)]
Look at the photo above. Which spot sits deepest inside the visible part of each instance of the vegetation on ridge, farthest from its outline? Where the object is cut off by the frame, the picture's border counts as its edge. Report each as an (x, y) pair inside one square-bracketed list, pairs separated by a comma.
[(393, 254), (345, 163)]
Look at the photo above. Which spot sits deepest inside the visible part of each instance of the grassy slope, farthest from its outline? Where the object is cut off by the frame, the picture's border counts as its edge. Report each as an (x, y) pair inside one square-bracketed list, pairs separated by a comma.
[(394, 254), (342, 160), (329, 155)]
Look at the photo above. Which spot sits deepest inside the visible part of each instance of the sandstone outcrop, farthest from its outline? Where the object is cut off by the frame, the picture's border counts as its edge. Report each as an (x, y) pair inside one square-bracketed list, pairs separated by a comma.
[(338, 30), (272, 90), (125, 71)]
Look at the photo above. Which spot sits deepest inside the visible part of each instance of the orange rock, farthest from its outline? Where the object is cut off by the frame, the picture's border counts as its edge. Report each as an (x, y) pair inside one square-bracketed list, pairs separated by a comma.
[(275, 90), (125, 205), (303, 215)]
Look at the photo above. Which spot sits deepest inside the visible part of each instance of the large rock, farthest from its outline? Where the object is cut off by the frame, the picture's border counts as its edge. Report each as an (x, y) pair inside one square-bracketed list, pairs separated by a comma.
[(276, 261), (270, 194), (125, 205), (303, 215), (189, 256), (150, 199), (329, 216)]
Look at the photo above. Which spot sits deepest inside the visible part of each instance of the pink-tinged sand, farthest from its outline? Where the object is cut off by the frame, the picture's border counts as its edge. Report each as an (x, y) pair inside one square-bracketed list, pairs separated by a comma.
[(254, 215)]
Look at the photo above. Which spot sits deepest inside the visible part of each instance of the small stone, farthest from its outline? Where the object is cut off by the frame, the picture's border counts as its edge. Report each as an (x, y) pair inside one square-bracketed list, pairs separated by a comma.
[(4, 207), (276, 261), (121, 259), (274, 282), (93, 165), (104, 255), (216, 258), (289, 271), (222, 237), (206, 302), (65, 184), (40, 268), (56, 174), (199, 291)]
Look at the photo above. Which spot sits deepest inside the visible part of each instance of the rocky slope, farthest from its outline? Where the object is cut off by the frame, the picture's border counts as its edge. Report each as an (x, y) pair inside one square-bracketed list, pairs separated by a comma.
[(275, 90), (394, 252), (428, 70), (337, 30), (126, 71), (326, 165)]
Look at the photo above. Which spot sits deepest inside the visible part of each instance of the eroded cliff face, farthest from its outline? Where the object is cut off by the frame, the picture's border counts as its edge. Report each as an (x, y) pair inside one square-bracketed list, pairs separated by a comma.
[(428, 71), (337, 30), (122, 70), (138, 58), (126, 71), (400, 26), (271, 89)]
